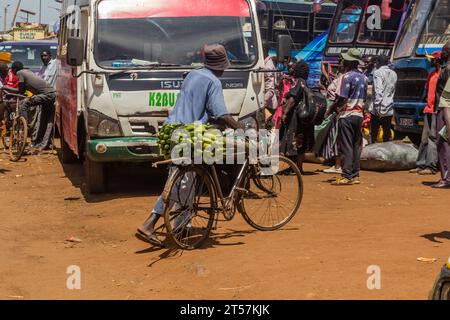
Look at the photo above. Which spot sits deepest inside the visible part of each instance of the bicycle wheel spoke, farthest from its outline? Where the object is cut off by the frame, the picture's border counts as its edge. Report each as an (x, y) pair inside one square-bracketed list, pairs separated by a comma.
[(278, 197), (188, 216)]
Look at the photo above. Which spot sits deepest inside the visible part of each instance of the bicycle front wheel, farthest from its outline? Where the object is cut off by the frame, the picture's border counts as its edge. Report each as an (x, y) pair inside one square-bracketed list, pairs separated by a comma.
[(274, 194), (18, 140), (189, 207)]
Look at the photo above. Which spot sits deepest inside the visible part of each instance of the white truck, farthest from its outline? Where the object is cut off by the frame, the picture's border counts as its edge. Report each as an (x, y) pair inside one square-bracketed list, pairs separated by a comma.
[(122, 63)]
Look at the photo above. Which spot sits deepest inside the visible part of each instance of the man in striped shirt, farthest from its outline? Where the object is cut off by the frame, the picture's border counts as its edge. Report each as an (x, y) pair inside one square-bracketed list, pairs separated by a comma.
[(352, 96)]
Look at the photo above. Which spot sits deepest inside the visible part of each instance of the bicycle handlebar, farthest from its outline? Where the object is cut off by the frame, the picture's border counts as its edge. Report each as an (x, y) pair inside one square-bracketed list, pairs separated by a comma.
[(14, 95)]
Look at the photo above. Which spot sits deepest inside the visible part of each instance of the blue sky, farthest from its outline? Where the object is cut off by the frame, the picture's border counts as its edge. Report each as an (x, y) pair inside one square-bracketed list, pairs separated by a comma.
[(49, 15)]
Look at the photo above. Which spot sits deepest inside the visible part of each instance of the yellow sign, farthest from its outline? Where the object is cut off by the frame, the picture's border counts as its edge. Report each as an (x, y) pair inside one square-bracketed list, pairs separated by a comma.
[(28, 34)]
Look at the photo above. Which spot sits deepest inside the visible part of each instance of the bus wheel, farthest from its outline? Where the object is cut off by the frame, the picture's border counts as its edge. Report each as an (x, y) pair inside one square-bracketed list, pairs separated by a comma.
[(95, 175)]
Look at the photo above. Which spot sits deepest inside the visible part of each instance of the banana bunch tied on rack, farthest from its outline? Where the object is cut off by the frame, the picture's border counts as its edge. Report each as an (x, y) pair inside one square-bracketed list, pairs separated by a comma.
[(164, 138), (191, 134)]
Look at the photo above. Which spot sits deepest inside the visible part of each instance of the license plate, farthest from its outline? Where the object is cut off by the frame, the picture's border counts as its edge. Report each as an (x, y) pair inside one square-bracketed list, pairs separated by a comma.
[(406, 122)]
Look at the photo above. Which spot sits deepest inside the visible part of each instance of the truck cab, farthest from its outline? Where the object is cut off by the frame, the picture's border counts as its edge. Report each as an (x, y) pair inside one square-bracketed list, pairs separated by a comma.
[(123, 64)]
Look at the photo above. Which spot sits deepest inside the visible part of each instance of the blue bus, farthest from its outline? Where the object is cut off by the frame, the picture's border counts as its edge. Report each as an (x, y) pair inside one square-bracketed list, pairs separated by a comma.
[(426, 30), (308, 31)]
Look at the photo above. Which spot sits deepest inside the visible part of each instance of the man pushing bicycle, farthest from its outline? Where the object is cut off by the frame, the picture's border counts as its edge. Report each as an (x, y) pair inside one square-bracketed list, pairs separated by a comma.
[(200, 99)]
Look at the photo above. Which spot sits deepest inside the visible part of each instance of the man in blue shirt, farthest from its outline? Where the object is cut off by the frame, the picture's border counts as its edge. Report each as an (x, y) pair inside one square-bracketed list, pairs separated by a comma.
[(200, 99)]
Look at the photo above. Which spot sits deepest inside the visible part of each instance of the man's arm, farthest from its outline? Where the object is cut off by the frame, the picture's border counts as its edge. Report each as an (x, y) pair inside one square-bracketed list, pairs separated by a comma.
[(229, 122), (447, 118), (217, 109), (338, 104), (288, 107), (378, 88)]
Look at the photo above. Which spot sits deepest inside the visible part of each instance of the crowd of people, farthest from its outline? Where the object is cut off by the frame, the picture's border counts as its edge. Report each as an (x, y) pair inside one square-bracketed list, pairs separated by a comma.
[(38, 102), (360, 99)]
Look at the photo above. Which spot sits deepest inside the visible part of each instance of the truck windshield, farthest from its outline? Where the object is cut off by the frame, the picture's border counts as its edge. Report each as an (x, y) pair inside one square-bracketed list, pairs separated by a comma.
[(28, 54), (133, 33), (412, 29), (437, 29)]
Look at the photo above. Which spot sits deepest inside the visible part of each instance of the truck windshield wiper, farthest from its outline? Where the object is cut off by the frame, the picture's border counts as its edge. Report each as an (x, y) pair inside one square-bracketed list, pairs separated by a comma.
[(128, 69)]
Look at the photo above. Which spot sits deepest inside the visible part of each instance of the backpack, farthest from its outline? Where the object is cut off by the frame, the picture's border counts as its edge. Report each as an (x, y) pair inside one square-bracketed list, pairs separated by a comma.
[(311, 109)]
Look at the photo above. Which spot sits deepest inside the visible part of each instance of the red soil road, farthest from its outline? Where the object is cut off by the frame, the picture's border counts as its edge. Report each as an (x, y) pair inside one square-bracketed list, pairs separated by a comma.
[(390, 220)]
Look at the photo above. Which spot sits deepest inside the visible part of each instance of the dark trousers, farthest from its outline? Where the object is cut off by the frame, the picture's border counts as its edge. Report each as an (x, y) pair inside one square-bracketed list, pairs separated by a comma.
[(443, 149), (45, 130), (428, 156), (383, 122), (350, 145)]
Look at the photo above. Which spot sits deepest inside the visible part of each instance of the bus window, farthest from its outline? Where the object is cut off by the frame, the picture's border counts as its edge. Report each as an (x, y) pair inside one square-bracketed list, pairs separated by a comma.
[(346, 27), (437, 30), (412, 29), (374, 29)]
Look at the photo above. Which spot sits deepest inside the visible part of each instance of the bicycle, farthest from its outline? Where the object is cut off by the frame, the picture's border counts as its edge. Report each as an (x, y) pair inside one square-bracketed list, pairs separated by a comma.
[(17, 125), (258, 190)]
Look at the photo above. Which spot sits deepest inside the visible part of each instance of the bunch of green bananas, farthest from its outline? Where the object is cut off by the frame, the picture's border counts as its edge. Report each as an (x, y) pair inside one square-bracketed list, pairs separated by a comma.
[(192, 134), (165, 134)]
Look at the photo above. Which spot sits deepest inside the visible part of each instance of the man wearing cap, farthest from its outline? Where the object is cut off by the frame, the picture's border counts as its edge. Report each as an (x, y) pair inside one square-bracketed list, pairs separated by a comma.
[(200, 100), (427, 160), (442, 105), (351, 96)]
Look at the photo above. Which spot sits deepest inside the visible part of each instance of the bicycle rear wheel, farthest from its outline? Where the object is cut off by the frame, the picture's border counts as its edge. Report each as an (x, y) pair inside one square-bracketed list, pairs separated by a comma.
[(18, 140), (189, 207), (275, 192)]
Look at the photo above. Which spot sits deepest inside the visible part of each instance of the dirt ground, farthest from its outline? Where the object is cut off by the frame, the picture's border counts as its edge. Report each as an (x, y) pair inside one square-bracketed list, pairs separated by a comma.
[(390, 220)]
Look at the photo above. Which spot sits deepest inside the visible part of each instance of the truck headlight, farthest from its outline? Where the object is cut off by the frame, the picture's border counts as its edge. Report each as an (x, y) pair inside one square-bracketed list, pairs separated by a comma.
[(100, 125)]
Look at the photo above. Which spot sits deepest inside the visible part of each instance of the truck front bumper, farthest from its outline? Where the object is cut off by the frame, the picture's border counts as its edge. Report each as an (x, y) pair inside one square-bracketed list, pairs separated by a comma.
[(125, 149), (409, 117)]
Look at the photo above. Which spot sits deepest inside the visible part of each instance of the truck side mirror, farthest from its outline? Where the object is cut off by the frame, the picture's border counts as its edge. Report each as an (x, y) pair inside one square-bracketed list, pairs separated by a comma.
[(75, 51), (284, 46)]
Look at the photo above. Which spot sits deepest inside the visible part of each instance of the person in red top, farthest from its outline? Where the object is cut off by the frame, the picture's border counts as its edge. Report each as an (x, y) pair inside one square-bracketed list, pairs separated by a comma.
[(11, 80), (428, 158)]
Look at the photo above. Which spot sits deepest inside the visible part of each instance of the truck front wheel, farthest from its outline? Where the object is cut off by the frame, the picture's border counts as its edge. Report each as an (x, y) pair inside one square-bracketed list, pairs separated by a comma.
[(95, 174)]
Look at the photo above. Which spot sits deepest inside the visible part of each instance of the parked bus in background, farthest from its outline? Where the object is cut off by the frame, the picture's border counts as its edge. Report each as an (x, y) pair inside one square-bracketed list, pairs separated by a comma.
[(123, 65), (29, 52), (307, 30), (425, 31), (369, 25)]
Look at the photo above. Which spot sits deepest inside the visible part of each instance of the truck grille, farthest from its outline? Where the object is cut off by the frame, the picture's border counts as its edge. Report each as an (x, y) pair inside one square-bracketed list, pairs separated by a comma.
[(142, 128), (411, 84)]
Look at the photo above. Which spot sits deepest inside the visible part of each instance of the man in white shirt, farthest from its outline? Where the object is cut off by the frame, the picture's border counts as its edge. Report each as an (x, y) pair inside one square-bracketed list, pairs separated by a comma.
[(382, 108), (49, 69)]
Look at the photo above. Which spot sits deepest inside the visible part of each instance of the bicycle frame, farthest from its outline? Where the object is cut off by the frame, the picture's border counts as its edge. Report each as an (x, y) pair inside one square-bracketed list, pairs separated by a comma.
[(239, 180)]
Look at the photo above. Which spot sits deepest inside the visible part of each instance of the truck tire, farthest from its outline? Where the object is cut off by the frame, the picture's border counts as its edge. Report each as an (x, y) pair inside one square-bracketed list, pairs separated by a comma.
[(67, 155), (415, 138), (95, 175)]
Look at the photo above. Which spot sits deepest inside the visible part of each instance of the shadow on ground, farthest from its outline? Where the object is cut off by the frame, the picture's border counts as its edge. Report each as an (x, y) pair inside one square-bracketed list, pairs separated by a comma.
[(434, 236), (215, 239), (125, 180)]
